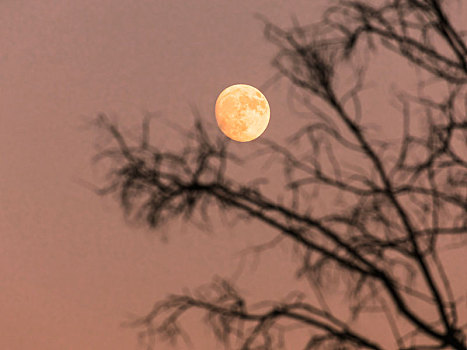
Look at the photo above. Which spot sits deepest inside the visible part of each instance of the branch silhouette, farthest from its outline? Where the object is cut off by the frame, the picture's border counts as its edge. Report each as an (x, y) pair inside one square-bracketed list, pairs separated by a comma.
[(403, 197)]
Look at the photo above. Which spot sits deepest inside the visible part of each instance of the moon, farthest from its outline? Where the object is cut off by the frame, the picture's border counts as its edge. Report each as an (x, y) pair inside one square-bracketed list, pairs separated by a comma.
[(242, 112)]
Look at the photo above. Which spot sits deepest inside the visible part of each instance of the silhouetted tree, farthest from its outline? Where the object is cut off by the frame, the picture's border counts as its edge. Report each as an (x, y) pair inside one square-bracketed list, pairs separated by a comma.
[(402, 197)]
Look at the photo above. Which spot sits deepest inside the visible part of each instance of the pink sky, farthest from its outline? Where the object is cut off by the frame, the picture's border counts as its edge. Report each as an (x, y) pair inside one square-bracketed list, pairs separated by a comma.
[(71, 268)]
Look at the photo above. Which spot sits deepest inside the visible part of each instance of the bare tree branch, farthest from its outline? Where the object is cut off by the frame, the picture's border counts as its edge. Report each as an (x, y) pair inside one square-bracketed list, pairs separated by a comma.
[(400, 198)]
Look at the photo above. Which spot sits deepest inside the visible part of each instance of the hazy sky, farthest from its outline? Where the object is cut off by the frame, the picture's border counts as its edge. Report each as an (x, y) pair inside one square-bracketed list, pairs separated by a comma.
[(71, 268)]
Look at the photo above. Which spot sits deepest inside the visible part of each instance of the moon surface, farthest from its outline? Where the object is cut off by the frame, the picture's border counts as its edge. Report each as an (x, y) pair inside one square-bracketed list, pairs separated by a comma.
[(242, 112)]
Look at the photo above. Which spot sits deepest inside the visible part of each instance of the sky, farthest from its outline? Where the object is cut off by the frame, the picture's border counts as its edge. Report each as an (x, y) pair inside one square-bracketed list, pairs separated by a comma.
[(72, 269)]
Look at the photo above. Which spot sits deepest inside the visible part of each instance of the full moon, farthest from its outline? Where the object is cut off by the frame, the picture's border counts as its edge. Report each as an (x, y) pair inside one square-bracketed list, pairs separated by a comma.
[(242, 112)]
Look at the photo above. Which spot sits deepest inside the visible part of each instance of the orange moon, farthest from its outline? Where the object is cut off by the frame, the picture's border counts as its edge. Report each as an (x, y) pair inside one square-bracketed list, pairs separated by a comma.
[(242, 112)]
